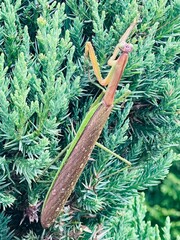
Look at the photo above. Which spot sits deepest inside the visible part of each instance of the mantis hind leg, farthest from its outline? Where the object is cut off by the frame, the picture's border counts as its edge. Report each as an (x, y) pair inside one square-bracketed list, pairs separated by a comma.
[(112, 153)]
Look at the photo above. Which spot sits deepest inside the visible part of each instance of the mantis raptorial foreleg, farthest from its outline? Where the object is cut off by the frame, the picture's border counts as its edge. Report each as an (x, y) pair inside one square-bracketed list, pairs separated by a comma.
[(82, 145), (89, 50)]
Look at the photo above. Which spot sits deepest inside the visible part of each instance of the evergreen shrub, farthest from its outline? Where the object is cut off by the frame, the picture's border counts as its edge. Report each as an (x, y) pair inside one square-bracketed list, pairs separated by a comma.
[(46, 88)]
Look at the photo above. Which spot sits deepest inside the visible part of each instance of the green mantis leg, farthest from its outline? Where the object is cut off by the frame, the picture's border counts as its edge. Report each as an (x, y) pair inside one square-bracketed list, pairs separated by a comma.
[(112, 153)]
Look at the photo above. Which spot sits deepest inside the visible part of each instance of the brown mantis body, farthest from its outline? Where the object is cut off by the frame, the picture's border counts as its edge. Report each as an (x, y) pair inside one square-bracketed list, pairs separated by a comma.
[(71, 170)]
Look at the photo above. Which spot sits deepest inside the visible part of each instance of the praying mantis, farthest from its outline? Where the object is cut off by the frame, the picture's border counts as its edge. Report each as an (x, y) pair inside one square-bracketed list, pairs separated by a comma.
[(81, 147)]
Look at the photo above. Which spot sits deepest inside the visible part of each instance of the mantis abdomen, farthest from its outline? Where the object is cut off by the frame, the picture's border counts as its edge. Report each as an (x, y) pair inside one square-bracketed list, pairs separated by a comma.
[(74, 166)]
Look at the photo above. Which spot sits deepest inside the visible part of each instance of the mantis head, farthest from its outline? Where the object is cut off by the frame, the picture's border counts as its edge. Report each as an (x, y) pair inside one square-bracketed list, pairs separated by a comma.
[(125, 47)]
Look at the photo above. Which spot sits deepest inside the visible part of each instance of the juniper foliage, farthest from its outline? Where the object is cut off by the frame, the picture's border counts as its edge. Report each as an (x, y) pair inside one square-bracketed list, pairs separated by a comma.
[(46, 89), (5, 232), (163, 201)]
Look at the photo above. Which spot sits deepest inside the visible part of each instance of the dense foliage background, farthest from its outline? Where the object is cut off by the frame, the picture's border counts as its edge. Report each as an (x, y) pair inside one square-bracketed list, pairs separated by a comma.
[(46, 88), (163, 201)]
